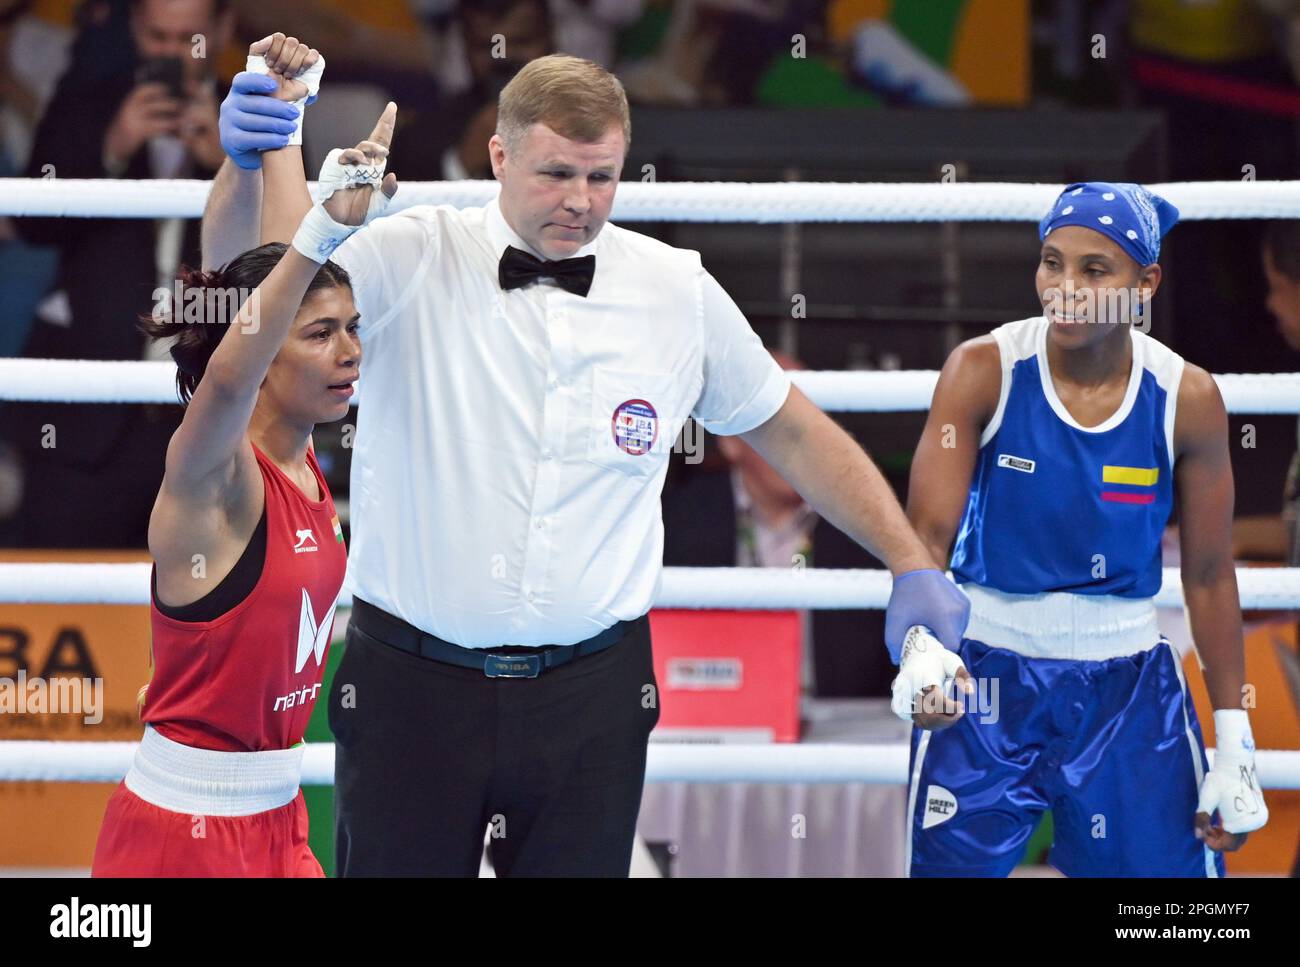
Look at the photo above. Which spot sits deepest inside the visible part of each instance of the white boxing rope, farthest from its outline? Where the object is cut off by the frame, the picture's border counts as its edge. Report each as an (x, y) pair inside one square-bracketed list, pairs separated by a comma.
[(897, 391), (637, 201), (901, 391), (39, 583), (876, 764), (759, 588), (879, 764), (748, 588), (87, 381)]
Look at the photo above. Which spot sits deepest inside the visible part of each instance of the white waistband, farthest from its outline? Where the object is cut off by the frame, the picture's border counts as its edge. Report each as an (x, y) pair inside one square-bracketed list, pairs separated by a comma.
[(1058, 624), (204, 782)]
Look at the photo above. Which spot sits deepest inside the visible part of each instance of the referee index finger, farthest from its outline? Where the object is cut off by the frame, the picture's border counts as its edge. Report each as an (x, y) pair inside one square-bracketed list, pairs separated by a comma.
[(383, 132)]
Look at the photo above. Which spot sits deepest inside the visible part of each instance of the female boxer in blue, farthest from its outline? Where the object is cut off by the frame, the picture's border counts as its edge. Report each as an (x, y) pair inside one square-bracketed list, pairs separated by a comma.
[(1054, 451)]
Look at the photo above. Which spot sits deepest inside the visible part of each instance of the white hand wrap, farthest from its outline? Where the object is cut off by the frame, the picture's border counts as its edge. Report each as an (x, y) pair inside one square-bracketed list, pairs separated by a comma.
[(334, 176), (319, 234), (1231, 786), (925, 662), (311, 77)]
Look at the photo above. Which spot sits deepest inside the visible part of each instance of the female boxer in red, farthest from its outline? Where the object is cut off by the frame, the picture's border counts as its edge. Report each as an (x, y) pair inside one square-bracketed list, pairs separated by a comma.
[(248, 554)]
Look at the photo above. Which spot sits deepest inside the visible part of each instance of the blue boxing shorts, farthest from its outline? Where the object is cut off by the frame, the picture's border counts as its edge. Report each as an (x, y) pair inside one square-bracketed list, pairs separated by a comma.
[(1111, 746)]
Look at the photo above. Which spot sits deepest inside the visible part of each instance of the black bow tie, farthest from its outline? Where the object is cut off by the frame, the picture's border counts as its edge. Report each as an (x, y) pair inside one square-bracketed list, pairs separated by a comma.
[(517, 269)]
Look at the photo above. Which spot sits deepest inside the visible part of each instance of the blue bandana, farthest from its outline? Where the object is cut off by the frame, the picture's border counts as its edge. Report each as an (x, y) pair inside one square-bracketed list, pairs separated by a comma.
[(1134, 217)]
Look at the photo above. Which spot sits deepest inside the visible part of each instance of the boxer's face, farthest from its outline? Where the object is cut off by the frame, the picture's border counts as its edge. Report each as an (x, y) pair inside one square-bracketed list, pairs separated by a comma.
[(556, 193), (1088, 284), (311, 379)]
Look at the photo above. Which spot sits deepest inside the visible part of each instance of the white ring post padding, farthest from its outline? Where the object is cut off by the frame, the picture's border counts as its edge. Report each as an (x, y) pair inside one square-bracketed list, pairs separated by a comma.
[(719, 201), (879, 764), (748, 588), (91, 381)]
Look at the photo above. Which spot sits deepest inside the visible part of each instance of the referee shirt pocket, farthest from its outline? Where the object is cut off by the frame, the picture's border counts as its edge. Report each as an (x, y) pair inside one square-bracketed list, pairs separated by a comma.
[(634, 420)]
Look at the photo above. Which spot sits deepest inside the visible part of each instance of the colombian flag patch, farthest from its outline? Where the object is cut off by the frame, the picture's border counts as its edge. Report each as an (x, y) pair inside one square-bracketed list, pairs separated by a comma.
[(1136, 481)]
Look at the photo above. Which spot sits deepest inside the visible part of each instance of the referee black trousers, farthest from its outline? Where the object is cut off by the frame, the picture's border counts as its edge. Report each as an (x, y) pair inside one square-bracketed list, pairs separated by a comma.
[(431, 757)]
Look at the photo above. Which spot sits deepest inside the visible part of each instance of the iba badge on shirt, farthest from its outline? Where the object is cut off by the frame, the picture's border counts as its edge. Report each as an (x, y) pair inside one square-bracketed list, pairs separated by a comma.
[(635, 426)]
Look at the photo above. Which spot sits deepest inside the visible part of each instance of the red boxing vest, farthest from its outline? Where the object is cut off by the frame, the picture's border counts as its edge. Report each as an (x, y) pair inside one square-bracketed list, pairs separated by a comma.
[(248, 680)]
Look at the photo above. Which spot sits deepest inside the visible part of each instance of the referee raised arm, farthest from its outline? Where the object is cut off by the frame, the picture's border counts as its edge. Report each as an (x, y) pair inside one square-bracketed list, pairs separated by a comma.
[(528, 368)]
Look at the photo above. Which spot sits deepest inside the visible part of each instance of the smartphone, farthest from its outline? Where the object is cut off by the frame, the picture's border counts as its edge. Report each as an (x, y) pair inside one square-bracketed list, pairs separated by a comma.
[(167, 71)]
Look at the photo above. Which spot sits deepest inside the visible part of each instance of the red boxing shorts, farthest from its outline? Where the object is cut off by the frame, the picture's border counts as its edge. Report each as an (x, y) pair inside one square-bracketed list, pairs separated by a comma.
[(184, 812), (141, 839)]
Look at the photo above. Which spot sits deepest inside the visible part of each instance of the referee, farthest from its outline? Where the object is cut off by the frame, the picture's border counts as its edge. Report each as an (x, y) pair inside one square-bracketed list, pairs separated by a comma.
[(527, 370)]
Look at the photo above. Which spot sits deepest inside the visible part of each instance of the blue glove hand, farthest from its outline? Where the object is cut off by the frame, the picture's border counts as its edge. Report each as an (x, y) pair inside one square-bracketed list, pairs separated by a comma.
[(252, 121), (925, 597)]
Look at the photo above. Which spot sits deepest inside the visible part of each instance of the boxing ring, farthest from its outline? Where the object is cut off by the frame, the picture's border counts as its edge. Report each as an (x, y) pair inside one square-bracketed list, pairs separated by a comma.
[(33, 380)]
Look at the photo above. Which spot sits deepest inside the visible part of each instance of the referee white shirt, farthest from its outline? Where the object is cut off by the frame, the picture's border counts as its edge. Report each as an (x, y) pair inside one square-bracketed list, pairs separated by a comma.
[(511, 446)]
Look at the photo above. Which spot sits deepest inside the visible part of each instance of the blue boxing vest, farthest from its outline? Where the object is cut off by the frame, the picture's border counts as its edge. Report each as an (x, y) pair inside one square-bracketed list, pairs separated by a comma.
[(1055, 506)]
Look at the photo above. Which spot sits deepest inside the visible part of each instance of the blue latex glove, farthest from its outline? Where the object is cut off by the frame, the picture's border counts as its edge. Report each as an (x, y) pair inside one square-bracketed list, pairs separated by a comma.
[(925, 597), (252, 121)]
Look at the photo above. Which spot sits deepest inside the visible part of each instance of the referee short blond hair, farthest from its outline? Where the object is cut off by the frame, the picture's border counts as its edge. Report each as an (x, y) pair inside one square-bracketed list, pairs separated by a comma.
[(575, 98)]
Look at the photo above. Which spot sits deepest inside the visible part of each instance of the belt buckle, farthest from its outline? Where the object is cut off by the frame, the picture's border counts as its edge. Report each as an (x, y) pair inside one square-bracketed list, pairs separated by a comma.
[(512, 666)]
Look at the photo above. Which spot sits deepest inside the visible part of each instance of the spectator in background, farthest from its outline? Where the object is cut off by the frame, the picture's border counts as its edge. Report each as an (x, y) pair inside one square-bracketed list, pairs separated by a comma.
[(737, 511), (450, 141), (32, 54), (1215, 70), (1274, 537), (753, 34), (589, 28), (90, 469), (101, 43), (1287, 17), (583, 28), (713, 52), (774, 524), (389, 43), (1277, 537), (674, 69)]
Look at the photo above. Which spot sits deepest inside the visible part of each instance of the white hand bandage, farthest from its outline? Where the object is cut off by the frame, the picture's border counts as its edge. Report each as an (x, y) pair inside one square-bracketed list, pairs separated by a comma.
[(335, 176), (925, 662), (1231, 786), (311, 77), (319, 234)]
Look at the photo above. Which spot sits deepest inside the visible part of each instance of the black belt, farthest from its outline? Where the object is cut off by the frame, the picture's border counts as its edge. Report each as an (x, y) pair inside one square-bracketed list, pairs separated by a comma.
[(509, 661)]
